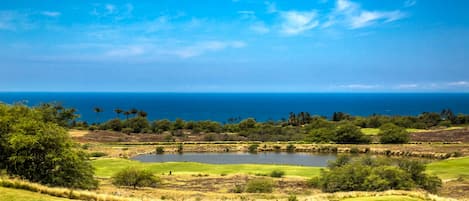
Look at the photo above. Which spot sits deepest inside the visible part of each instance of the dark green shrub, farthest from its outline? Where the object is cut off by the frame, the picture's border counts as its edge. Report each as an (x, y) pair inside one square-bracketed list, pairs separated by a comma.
[(97, 154), (259, 186), (291, 148), (134, 177), (354, 150), (180, 148), (159, 150), (277, 173), (253, 148), (127, 130), (277, 148)]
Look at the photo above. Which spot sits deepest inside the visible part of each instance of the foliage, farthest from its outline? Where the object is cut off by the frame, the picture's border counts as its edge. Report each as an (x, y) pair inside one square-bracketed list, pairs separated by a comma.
[(291, 148), (253, 148), (159, 150), (277, 173), (392, 134), (370, 174), (134, 177), (39, 150), (350, 134), (260, 185)]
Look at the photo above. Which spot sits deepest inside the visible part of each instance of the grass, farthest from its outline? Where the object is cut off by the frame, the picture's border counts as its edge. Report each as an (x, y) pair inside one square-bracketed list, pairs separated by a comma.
[(8, 194), (108, 167), (450, 168), (375, 131), (384, 198)]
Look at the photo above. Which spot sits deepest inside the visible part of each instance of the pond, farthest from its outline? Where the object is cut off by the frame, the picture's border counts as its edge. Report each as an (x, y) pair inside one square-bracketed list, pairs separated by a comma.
[(303, 159)]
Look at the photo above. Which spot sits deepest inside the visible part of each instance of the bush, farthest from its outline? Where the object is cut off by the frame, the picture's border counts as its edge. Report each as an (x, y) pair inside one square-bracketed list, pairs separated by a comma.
[(159, 150), (292, 198), (392, 134), (97, 154), (350, 134), (370, 174), (253, 148), (291, 148), (134, 177), (127, 131), (259, 186), (277, 173)]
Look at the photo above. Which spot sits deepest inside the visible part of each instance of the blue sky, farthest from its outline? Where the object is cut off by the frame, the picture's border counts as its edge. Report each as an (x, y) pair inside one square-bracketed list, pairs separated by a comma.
[(235, 45)]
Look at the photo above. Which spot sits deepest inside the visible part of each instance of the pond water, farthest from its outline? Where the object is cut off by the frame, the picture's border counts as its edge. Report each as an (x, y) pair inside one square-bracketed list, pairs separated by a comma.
[(303, 159)]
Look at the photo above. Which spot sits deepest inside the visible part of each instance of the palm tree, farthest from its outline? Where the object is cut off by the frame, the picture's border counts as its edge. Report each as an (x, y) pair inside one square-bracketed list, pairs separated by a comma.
[(118, 111), (142, 113), (97, 110), (133, 111), (127, 113)]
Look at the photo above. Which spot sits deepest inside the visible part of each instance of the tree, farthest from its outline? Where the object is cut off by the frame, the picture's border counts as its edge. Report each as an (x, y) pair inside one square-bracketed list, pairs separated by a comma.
[(118, 111), (97, 110), (41, 151), (247, 124), (142, 113), (127, 113), (392, 134), (133, 111), (350, 134), (134, 177)]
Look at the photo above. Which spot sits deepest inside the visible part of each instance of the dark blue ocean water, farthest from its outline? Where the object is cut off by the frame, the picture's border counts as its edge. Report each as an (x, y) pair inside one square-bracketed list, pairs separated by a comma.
[(264, 106)]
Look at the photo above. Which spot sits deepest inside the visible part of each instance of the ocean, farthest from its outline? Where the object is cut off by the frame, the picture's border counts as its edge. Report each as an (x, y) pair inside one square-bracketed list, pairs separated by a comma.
[(261, 106)]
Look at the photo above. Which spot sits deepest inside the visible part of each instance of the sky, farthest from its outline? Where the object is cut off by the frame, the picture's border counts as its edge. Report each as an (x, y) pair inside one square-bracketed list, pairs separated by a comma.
[(235, 46)]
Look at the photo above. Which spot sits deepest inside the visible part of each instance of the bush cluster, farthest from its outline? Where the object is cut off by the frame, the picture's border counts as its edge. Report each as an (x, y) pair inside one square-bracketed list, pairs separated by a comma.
[(370, 174)]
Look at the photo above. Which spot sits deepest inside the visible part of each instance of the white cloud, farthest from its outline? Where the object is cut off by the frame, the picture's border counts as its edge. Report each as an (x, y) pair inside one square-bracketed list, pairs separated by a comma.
[(206, 46), (259, 28), (351, 15), (14, 21), (126, 51), (410, 3), (296, 22), (367, 18), (459, 84), (359, 86), (51, 13), (407, 86)]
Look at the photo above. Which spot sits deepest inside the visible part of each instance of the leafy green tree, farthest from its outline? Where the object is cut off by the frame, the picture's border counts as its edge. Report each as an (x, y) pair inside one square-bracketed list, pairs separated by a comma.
[(350, 134), (41, 151), (161, 125), (247, 124), (392, 134), (138, 124), (322, 135)]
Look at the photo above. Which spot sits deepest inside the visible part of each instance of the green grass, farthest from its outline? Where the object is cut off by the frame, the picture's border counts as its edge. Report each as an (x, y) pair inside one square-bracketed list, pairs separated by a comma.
[(8, 194), (370, 131), (450, 168), (384, 198), (108, 167), (375, 131)]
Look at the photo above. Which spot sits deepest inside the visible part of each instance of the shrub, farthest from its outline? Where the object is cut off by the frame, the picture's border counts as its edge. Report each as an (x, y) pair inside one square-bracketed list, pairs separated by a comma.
[(277, 173), (134, 177), (259, 186), (354, 150), (97, 154), (159, 150), (292, 198), (127, 131), (350, 134), (277, 148), (291, 148), (253, 148), (392, 134), (180, 148), (238, 188)]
